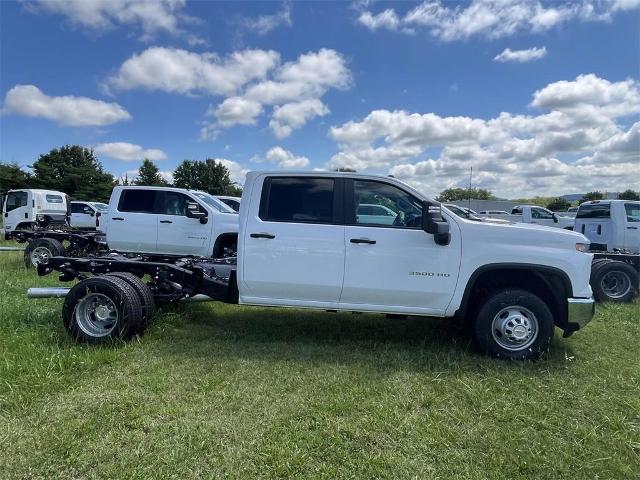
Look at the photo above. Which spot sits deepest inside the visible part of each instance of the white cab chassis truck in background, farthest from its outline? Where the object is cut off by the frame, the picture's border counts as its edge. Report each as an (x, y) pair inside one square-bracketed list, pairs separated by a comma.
[(613, 227), (27, 209), (155, 221), (302, 244), (535, 215)]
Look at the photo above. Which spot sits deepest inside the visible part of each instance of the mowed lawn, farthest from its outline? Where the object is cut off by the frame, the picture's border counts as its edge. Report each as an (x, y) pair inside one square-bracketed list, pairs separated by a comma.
[(220, 391)]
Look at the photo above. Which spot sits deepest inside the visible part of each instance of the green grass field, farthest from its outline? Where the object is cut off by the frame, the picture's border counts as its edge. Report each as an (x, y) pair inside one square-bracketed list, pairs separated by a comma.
[(213, 390)]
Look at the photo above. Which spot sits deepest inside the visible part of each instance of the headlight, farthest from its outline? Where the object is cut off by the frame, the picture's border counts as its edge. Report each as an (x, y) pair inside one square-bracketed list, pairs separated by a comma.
[(581, 247)]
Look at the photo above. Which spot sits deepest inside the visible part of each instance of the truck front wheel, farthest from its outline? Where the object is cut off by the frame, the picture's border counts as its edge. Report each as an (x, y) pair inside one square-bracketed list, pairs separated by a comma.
[(514, 324)]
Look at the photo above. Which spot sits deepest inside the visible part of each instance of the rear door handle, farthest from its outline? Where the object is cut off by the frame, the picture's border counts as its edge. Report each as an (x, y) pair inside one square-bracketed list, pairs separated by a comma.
[(166, 221), (262, 235), (632, 228), (363, 240), (117, 218)]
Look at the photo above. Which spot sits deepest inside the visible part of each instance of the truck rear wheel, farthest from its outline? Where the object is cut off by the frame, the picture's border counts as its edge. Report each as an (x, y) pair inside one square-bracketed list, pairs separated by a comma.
[(102, 309), (514, 324), (41, 250), (614, 281), (143, 291)]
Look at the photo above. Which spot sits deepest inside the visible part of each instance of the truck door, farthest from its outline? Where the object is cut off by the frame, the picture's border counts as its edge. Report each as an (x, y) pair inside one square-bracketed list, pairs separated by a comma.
[(541, 216), (178, 234), (82, 215), (397, 266), (133, 224), (18, 208), (293, 244), (632, 226)]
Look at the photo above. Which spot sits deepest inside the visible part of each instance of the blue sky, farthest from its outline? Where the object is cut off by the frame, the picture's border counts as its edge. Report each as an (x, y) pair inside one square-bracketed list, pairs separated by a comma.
[(539, 98)]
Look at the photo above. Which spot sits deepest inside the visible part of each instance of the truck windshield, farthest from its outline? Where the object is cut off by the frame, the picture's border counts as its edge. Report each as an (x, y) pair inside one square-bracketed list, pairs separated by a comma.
[(214, 202), (594, 210)]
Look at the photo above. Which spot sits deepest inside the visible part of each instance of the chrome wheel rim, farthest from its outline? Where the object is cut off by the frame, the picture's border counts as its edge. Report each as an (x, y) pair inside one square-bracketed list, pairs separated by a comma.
[(615, 284), (40, 255), (96, 315), (514, 328)]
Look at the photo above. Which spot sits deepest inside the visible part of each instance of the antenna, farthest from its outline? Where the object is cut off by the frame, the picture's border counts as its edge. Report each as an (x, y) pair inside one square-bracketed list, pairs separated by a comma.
[(469, 191)]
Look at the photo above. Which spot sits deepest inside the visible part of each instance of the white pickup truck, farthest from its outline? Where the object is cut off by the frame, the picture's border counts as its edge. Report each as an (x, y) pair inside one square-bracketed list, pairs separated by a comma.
[(303, 244), (610, 224), (534, 214), (149, 220)]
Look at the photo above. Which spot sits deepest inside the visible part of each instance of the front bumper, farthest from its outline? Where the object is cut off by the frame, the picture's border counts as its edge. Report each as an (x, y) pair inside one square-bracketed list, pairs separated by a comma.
[(580, 312)]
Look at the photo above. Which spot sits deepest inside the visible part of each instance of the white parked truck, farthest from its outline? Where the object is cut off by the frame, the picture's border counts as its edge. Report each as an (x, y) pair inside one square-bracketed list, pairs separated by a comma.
[(233, 202), (535, 215), (303, 244), (86, 215), (610, 224), (26, 209), (147, 220)]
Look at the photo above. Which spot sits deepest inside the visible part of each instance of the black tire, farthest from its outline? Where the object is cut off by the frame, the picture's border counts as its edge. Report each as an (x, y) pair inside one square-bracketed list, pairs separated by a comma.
[(120, 302), (47, 246), (614, 281), (527, 333), (143, 291)]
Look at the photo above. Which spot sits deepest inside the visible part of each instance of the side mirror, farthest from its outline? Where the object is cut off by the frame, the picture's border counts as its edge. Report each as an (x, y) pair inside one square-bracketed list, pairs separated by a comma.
[(194, 211), (433, 224)]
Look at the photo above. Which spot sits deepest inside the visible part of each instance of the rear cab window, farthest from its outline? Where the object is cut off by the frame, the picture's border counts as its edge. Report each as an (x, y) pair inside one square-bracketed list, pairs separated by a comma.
[(594, 210), (632, 210), (298, 200), (53, 198), (138, 201)]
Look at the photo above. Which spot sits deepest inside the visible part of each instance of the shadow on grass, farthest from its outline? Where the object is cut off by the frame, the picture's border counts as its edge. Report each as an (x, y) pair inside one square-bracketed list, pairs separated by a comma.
[(413, 343)]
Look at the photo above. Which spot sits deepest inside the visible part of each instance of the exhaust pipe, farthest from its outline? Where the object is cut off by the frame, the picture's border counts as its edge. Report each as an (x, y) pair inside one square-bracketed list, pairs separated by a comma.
[(61, 292)]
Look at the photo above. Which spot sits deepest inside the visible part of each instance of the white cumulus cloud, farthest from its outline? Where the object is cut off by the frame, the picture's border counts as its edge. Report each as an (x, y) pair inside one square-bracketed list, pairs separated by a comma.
[(564, 148), (128, 152), (286, 159), (490, 18), (521, 56), (30, 101)]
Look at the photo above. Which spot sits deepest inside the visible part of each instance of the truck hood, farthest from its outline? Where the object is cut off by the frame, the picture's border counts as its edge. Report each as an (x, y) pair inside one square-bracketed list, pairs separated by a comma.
[(525, 234)]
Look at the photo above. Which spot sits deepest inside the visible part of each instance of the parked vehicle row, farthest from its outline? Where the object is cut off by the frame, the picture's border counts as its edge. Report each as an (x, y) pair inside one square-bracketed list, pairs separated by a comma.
[(310, 241)]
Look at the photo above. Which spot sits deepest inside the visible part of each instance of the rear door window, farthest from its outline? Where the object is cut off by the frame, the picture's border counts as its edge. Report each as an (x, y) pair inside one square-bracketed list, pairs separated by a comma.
[(138, 201), (298, 200), (16, 200), (594, 210), (633, 212)]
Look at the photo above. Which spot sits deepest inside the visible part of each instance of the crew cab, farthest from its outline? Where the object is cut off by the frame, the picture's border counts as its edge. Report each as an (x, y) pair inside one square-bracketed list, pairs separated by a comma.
[(170, 221), (610, 224), (302, 243), (33, 208), (536, 215)]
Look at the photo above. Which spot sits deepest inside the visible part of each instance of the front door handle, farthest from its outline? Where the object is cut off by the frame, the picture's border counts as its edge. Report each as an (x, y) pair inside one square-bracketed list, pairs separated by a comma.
[(632, 228), (262, 235), (117, 218), (363, 240), (166, 221)]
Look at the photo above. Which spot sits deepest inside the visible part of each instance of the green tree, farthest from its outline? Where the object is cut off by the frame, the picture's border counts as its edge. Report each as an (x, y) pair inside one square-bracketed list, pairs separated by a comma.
[(558, 204), (74, 170), (629, 194), (209, 176), (592, 196), (344, 169), (149, 175), (454, 194), (12, 176)]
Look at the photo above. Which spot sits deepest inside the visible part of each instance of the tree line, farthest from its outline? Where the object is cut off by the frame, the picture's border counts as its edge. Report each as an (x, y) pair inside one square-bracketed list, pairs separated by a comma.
[(557, 204), (76, 171)]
